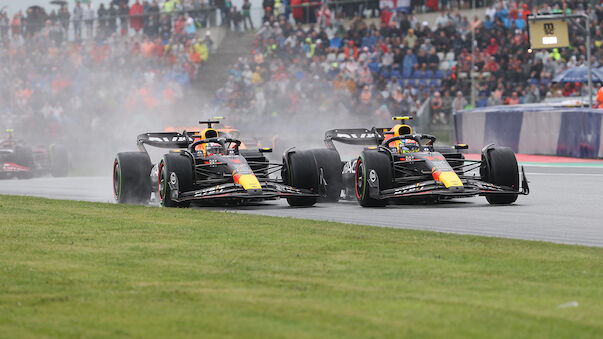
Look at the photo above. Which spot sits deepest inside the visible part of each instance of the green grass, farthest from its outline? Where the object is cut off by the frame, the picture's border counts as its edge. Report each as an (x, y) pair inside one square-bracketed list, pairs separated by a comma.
[(72, 269)]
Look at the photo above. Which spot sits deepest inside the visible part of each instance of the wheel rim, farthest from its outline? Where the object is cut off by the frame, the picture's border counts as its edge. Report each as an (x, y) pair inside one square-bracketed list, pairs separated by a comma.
[(161, 183), (116, 179), (359, 176)]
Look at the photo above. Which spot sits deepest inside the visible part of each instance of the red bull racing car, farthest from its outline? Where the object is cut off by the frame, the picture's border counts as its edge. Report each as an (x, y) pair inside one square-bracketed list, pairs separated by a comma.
[(207, 167), (25, 162), (397, 165)]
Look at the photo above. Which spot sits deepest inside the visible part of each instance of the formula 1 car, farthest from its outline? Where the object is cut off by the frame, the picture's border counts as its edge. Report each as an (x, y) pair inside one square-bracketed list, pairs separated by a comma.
[(401, 166), (24, 162), (207, 167)]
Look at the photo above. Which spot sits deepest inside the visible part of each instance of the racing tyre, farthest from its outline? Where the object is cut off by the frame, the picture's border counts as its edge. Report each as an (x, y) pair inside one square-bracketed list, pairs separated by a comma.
[(367, 162), (499, 167), (183, 167), (131, 178), (23, 156), (300, 171), (59, 161), (330, 163)]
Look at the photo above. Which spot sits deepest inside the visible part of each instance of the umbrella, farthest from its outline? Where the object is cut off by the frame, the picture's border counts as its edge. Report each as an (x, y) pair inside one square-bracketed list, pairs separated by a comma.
[(578, 74), (58, 2)]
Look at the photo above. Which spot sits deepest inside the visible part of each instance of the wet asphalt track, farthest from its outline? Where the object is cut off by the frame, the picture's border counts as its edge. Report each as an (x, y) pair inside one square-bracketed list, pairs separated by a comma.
[(565, 206)]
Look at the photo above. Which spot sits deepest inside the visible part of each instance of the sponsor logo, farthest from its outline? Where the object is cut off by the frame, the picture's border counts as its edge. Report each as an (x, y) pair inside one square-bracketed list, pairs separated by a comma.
[(169, 139), (373, 176), (10, 167), (410, 189), (209, 191), (356, 136), (350, 167)]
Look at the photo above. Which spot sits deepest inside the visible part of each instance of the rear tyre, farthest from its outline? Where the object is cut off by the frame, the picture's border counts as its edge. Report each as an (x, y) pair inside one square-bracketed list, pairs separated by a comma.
[(182, 166), (367, 162), (499, 167), (131, 178), (300, 171), (23, 156), (59, 161), (330, 163)]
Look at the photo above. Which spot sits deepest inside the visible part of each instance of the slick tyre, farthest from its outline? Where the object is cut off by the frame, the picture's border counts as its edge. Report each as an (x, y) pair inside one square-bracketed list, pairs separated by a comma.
[(330, 163), (367, 162), (499, 167), (300, 171), (59, 161), (131, 178), (182, 166)]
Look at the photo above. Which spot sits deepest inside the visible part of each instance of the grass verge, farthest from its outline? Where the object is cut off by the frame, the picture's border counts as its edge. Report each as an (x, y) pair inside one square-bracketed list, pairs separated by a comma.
[(71, 269)]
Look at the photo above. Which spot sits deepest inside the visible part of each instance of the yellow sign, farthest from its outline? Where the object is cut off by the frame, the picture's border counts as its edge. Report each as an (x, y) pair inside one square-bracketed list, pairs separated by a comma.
[(548, 33)]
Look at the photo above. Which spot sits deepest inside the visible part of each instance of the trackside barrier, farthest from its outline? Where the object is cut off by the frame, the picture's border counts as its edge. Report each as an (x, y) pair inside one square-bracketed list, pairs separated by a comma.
[(533, 129)]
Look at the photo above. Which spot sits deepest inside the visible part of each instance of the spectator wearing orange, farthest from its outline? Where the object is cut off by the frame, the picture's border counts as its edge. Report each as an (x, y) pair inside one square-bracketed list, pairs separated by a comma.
[(148, 48), (15, 24), (351, 51), (599, 103), (513, 99)]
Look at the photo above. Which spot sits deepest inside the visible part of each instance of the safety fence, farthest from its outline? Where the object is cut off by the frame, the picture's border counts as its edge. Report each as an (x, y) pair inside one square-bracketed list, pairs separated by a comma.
[(533, 129)]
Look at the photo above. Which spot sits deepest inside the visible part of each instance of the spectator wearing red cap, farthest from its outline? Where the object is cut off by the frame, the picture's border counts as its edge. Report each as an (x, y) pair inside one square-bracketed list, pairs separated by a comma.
[(492, 47), (525, 12)]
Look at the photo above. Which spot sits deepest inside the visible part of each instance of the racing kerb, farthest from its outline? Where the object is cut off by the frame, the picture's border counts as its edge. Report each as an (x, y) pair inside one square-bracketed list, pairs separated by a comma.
[(533, 129)]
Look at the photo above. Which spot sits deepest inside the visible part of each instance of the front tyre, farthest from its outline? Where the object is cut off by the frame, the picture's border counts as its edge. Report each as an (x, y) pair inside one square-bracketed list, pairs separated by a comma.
[(499, 167), (182, 166), (131, 178), (300, 171), (329, 162), (381, 165)]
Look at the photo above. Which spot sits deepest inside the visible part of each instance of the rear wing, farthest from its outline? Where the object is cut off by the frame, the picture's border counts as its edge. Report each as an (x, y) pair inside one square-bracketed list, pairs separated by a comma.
[(355, 136), (164, 140)]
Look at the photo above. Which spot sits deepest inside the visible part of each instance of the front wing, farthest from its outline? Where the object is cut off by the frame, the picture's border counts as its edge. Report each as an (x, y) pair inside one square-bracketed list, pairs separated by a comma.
[(434, 189), (9, 167), (231, 191)]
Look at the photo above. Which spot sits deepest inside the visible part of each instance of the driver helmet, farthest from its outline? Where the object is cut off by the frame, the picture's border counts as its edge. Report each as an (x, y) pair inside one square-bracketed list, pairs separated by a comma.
[(213, 148), (10, 139), (409, 146)]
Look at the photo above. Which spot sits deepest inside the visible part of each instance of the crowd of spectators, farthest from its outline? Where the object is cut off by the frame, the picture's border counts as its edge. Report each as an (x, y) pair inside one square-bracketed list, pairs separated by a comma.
[(395, 65), (143, 59), (117, 74)]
